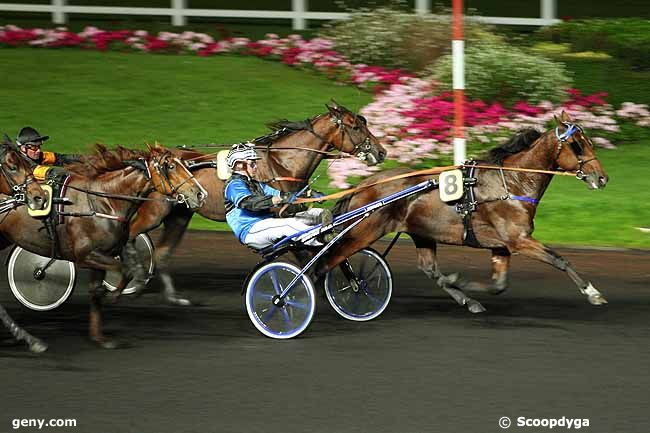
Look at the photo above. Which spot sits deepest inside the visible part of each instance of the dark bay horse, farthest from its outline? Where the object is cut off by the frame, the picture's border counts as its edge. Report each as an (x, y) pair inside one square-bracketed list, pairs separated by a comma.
[(289, 157), (16, 178), (105, 191), (503, 221)]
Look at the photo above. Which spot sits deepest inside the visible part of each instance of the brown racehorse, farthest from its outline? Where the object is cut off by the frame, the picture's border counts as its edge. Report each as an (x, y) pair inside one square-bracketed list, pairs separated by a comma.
[(292, 152), (105, 191), (503, 220), (16, 178)]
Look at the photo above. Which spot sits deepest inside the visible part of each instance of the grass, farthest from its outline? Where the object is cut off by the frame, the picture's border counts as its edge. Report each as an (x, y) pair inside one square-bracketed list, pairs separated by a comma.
[(80, 97), (571, 214)]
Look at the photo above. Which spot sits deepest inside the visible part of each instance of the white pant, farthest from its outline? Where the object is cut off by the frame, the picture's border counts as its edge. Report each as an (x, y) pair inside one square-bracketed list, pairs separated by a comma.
[(270, 230)]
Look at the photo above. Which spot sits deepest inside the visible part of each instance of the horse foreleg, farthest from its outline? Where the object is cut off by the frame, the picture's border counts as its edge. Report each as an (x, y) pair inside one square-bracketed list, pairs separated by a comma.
[(133, 270), (534, 249), (98, 263), (96, 290), (428, 263), (175, 226)]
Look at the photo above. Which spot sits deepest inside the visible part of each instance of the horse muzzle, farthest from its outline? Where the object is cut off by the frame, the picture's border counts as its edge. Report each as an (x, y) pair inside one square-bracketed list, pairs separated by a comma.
[(593, 180)]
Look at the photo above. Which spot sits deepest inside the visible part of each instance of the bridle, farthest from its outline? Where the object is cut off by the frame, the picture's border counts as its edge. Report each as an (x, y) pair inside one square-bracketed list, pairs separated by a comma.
[(361, 148), (167, 187), (19, 189), (576, 147)]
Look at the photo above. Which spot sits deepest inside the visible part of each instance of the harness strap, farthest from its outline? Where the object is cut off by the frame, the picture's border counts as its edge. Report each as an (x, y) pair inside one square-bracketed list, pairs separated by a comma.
[(524, 198), (95, 214)]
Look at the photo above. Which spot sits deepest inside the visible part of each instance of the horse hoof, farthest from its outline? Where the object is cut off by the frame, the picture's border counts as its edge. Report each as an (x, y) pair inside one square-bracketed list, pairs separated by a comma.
[(37, 346), (448, 280), (475, 307), (597, 300), (496, 291), (180, 302), (105, 343)]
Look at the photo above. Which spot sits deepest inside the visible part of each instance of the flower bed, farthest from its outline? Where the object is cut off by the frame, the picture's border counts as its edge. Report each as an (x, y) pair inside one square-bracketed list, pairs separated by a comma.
[(316, 53), (411, 117)]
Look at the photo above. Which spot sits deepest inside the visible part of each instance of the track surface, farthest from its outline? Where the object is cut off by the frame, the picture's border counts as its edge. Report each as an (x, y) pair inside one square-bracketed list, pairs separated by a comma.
[(426, 365)]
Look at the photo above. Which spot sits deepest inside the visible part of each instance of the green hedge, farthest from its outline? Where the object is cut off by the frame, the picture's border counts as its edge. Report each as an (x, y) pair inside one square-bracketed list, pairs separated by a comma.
[(497, 71), (625, 38)]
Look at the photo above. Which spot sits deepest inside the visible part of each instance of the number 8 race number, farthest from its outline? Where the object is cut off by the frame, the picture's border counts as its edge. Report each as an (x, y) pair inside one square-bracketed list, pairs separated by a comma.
[(451, 185)]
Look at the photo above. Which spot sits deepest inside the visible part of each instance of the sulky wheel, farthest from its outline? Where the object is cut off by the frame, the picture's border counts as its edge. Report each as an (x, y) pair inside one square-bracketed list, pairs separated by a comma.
[(39, 289), (145, 250), (360, 287), (273, 316)]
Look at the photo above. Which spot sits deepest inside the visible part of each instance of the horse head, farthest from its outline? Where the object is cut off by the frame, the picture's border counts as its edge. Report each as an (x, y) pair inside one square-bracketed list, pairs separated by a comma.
[(354, 137), (575, 152), (170, 177), (17, 177)]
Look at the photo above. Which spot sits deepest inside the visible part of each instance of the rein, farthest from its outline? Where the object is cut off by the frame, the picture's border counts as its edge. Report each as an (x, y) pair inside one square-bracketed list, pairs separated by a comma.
[(430, 172), (118, 196)]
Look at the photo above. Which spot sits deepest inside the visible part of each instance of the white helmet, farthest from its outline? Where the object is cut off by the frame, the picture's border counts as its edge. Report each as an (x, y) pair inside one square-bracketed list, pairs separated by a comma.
[(241, 152)]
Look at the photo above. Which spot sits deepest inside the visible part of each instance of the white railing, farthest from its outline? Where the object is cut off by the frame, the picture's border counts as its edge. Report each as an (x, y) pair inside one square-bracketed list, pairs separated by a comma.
[(299, 13)]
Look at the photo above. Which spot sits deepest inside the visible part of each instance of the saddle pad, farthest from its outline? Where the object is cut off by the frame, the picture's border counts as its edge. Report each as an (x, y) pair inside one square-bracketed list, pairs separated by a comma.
[(39, 213), (223, 171)]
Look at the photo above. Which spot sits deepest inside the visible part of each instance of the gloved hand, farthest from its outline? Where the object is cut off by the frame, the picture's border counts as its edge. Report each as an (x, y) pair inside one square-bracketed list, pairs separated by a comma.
[(291, 210), (312, 193), (285, 197)]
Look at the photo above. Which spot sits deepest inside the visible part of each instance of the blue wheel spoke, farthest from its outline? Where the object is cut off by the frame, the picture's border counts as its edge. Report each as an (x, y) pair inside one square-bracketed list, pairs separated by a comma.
[(276, 283), (285, 314), (296, 304), (269, 314), (374, 299)]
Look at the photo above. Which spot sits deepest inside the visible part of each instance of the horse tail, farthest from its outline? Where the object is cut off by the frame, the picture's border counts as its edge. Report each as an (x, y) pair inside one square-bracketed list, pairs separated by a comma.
[(341, 205)]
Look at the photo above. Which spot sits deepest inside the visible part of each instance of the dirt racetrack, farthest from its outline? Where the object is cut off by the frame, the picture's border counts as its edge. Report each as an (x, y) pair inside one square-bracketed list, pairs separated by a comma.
[(426, 365)]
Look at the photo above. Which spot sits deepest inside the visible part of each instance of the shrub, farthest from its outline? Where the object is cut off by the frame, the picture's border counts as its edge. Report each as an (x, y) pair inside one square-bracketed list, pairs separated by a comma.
[(391, 37), (496, 71), (625, 38)]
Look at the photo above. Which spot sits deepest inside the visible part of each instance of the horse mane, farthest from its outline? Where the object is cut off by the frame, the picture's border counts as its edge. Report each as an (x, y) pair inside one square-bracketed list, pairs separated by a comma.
[(522, 140), (282, 128), (341, 205), (104, 160)]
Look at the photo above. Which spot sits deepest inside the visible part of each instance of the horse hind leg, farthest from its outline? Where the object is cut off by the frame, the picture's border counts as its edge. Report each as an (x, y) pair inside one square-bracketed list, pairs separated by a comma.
[(428, 263), (35, 345), (499, 283)]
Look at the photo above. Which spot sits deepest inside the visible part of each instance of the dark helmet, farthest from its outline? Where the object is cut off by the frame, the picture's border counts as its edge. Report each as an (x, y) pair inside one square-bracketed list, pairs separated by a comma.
[(30, 135)]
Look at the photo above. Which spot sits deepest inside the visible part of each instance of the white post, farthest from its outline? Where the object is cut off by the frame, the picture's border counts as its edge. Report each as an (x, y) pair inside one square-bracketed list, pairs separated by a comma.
[(458, 74), (58, 15), (299, 7), (548, 9), (178, 16), (422, 7)]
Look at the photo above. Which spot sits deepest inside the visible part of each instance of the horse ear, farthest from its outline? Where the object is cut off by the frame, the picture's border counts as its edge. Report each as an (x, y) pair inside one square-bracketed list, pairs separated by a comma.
[(334, 108), (149, 147), (7, 140), (564, 117), (558, 122)]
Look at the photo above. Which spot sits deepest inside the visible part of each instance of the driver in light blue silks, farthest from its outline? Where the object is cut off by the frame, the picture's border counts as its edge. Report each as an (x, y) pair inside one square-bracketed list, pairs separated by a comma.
[(249, 203)]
